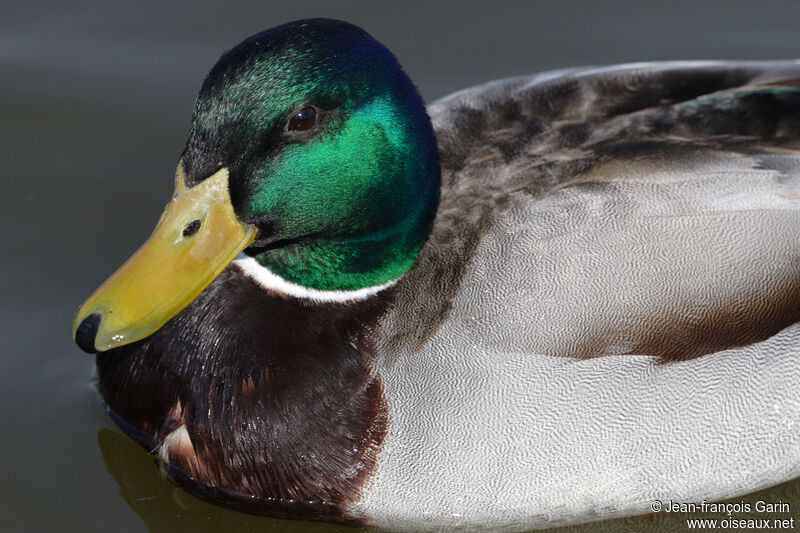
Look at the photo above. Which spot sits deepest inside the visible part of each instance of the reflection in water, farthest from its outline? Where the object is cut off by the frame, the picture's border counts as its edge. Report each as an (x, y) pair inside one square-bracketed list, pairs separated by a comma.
[(166, 508)]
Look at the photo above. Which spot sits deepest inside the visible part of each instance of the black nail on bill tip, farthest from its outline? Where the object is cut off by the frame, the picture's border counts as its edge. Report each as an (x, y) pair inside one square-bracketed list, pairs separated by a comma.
[(86, 333)]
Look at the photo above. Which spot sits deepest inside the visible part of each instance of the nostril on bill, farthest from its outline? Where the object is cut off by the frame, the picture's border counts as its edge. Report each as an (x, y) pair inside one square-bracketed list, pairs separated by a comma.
[(87, 331), (191, 228)]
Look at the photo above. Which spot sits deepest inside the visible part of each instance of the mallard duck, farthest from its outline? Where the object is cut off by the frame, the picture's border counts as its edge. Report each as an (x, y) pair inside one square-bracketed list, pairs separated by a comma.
[(600, 310)]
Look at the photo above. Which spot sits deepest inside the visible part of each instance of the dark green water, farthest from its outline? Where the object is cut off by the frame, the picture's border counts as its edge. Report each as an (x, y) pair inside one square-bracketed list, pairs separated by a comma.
[(95, 101)]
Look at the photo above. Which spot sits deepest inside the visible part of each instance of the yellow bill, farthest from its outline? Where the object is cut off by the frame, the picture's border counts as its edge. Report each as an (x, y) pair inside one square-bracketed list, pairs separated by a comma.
[(197, 236)]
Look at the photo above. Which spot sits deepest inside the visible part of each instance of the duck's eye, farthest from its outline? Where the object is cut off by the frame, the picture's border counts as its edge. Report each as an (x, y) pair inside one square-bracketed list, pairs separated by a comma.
[(191, 228), (303, 120)]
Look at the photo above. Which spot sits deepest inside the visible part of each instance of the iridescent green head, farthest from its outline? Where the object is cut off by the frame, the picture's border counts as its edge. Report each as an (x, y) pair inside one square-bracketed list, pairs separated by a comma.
[(329, 149), (310, 150)]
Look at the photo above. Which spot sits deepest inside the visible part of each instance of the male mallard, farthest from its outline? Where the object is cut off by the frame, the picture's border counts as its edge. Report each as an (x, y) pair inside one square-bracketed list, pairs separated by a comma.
[(601, 313)]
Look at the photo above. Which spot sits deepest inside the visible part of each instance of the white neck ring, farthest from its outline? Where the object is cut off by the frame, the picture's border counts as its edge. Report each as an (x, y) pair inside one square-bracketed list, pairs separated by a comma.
[(273, 282)]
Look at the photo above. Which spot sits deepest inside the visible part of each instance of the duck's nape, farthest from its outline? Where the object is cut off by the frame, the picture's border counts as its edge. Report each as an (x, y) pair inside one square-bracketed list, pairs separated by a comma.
[(316, 149)]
